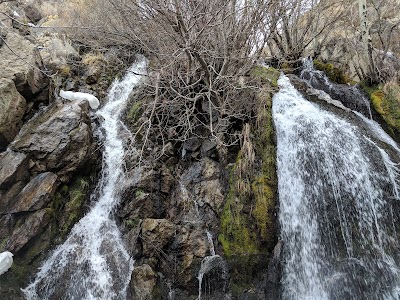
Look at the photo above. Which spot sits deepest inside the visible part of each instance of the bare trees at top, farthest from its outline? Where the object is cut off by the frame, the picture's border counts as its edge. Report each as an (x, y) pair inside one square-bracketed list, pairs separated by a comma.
[(301, 25), (380, 30)]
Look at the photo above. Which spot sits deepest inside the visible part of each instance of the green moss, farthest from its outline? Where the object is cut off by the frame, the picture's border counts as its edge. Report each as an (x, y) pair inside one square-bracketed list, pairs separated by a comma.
[(335, 74), (266, 75), (248, 223), (236, 236), (68, 203), (386, 102), (134, 112)]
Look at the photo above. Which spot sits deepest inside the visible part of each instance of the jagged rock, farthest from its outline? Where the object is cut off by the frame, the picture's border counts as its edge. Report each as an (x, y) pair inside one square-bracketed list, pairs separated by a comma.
[(93, 74), (33, 225), (192, 144), (22, 65), (149, 181), (36, 194), (156, 233), (13, 168), (59, 139), (12, 109), (167, 180), (143, 282), (56, 52)]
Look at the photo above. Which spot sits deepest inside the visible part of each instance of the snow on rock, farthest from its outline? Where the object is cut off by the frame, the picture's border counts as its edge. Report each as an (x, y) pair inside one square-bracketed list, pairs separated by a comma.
[(6, 261), (78, 96)]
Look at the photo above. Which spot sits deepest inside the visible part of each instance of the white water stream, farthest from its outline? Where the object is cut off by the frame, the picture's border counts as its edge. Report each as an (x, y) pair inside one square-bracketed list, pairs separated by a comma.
[(339, 203), (93, 263)]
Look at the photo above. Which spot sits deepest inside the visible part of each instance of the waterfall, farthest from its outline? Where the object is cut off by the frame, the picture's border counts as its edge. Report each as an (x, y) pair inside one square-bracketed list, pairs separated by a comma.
[(351, 97), (93, 263), (339, 204)]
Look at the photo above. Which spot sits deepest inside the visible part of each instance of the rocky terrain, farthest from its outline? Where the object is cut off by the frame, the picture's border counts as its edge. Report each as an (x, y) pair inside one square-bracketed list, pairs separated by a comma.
[(176, 210)]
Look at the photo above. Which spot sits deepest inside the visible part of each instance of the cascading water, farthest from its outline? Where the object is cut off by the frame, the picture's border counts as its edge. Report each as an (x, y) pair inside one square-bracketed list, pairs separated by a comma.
[(351, 97), (93, 263), (339, 204), (210, 263)]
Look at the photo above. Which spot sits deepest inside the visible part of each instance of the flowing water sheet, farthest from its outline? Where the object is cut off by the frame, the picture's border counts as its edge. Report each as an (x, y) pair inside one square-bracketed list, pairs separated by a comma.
[(339, 206), (93, 263)]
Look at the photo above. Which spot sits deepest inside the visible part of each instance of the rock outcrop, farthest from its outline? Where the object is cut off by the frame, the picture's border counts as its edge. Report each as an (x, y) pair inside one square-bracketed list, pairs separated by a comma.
[(59, 139), (12, 110), (22, 63)]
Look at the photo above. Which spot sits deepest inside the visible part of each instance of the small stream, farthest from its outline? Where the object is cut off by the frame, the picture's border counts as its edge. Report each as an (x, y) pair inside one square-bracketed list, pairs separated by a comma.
[(93, 263)]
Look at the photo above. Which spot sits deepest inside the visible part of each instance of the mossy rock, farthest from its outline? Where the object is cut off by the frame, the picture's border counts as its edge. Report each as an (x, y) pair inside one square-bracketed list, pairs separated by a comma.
[(248, 221), (385, 101), (266, 75), (335, 74), (69, 201)]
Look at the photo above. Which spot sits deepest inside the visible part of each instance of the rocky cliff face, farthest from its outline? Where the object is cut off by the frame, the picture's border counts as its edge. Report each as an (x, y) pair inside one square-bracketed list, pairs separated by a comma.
[(48, 153), (196, 209)]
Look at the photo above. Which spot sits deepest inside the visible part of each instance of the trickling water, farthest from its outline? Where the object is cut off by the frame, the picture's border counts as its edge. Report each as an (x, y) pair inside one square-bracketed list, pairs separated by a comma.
[(339, 203), (93, 263), (211, 243), (212, 263)]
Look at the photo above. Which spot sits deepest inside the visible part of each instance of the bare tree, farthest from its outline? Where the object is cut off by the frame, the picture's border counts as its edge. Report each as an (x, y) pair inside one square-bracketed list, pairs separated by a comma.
[(201, 53), (301, 25)]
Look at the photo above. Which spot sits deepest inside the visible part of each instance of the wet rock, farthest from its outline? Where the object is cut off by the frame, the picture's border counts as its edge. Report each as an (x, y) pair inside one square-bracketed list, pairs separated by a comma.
[(7, 197), (13, 168), (12, 109), (33, 226), (36, 194), (156, 233), (59, 139), (143, 282), (24, 70), (351, 98), (274, 273)]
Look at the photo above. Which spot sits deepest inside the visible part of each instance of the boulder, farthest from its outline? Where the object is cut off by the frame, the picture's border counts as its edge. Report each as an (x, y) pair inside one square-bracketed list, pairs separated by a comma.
[(36, 194), (12, 109), (22, 64), (13, 168), (56, 52), (143, 282), (34, 225), (59, 139), (156, 233), (32, 13)]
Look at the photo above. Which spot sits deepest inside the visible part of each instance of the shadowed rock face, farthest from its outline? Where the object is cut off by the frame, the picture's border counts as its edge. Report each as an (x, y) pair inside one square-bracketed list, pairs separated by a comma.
[(12, 109)]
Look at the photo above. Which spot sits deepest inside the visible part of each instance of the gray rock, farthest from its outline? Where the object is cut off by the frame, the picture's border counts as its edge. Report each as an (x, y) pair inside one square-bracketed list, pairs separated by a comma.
[(59, 139), (22, 65), (33, 226), (36, 194), (12, 109), (13, 168)]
